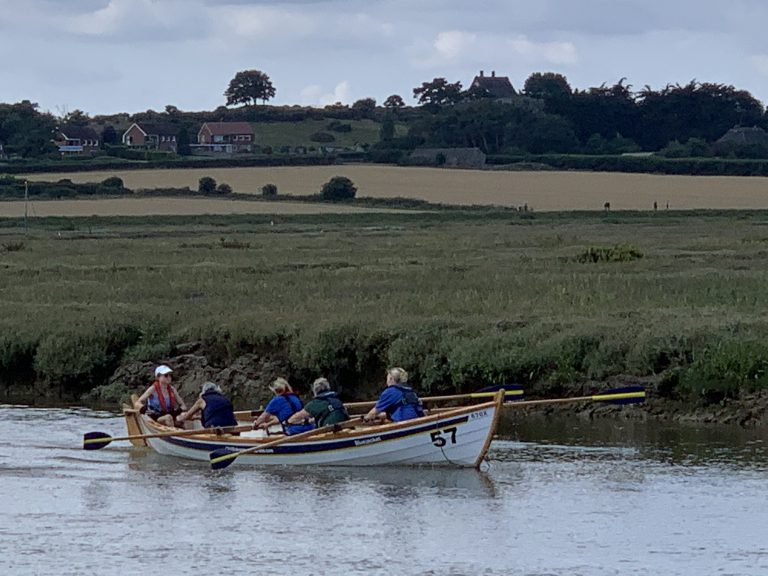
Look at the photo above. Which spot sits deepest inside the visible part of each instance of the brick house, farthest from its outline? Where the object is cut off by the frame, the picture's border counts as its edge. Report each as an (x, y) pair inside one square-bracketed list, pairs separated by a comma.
[(497, 88), (153, 136), (225, 137), (77, 140)]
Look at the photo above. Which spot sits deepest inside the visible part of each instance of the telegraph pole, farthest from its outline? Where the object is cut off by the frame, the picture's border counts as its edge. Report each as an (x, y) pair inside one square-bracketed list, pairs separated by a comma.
[(26, 204)]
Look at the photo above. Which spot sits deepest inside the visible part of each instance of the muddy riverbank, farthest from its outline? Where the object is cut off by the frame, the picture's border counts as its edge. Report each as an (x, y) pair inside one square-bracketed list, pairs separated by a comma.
[(246, 379)]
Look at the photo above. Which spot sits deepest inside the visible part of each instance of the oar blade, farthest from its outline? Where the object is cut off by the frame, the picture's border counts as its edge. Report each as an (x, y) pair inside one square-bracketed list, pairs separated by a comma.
[(512, 392), (625, 395), (222, 457), (95, 440)]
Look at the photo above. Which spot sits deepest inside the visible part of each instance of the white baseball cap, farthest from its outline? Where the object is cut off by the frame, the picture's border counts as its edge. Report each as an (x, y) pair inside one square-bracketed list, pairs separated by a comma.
[(162, 369)]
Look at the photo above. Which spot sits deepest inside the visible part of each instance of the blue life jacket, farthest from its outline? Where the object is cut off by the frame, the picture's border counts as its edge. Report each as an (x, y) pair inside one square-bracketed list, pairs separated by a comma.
[(218, 411), (294, 405), (409, 406)]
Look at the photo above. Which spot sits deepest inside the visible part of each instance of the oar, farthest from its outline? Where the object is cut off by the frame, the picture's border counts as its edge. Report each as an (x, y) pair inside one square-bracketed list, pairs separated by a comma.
[(223, 457), (98, 440), (248, 413), (512, 392), (626, 395)]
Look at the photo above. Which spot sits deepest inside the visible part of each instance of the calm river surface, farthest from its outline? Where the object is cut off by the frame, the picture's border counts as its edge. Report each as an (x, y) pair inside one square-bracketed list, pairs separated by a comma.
[(560, 497)]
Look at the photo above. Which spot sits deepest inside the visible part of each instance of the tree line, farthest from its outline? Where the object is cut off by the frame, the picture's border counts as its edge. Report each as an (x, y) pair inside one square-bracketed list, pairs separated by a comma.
[(546, 116)]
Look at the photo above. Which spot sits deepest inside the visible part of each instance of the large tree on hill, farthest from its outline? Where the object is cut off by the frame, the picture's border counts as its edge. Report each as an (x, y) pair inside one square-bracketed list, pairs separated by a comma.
[(438, 93), (547, 86), (395, 101), (248, 86)]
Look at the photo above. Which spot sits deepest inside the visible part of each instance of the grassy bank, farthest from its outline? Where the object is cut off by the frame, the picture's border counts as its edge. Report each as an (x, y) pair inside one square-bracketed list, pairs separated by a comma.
[(461, 299)]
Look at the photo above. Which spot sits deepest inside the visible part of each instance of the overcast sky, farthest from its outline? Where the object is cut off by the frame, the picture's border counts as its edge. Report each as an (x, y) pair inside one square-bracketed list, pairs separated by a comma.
[(108, 56)]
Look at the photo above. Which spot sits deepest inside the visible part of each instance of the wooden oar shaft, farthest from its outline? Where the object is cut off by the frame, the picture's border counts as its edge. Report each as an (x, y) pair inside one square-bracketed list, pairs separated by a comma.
[(594, 398), (371, 403), (194, 432)]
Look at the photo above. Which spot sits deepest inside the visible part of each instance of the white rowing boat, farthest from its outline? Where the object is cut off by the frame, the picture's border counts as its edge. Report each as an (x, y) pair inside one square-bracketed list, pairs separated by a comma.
[(457, 437)]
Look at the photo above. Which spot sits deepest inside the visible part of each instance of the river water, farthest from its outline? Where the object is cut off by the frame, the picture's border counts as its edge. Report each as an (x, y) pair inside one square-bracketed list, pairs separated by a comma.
[(557, 497)]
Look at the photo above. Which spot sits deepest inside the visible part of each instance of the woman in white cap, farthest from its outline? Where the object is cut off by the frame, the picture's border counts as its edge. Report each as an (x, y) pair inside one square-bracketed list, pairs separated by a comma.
[(161, 401)]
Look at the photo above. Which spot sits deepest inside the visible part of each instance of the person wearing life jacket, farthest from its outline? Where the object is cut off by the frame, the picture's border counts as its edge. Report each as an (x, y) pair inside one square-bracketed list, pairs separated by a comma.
[(215, 408), (398, 401), (325, 408), (161, 401), (284, 405)]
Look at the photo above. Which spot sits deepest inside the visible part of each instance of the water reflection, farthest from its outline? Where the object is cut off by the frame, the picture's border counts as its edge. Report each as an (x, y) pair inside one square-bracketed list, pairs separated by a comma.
[(97, 495), (557, 497)]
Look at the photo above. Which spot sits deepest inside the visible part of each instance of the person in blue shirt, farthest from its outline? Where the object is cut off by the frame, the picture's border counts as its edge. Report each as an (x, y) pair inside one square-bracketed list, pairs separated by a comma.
[(216, 409), (284, 405), (398, 402)]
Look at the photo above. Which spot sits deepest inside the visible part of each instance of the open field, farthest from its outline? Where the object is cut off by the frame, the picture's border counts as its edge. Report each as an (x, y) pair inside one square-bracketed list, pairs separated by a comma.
[(169, 206), (459, 298), (541, 191)]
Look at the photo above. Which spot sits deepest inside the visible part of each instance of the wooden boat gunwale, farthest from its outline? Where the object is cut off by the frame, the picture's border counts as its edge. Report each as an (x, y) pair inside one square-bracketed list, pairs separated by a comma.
[(348, 439)]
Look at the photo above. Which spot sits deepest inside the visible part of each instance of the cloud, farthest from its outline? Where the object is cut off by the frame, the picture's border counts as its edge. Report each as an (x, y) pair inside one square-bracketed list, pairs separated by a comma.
[(760, 63), (146, 20), (471, 49), (257, 23), (314, 95), (451, 44)]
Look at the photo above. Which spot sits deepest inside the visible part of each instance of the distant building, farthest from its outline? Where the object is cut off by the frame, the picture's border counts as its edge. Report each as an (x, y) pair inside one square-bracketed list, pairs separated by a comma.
[(77, 140), (744, 135), (744, 141), (451, 157), (152, 136), (494, 87), (225, 137)]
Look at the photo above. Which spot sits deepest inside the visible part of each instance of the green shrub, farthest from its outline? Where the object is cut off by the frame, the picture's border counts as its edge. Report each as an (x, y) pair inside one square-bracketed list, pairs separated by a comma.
[(347, 355), (337, 126), (617, 253), (338, 188), (76, 362), (154, 341), (224, 189), (206, 185), (113, 182), (423, 352), (17, 360), (322, 137), (269, 190), (723, 370)]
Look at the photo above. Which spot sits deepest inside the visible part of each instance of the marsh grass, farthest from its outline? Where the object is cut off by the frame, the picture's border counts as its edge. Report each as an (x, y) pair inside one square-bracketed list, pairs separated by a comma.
[(462, 299)]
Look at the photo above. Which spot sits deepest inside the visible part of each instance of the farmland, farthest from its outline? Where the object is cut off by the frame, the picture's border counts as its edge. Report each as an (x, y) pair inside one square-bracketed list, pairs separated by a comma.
[(539, 191)]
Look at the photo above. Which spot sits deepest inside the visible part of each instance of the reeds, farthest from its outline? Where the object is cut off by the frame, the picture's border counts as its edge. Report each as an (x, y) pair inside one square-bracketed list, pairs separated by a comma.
[(461, 298)]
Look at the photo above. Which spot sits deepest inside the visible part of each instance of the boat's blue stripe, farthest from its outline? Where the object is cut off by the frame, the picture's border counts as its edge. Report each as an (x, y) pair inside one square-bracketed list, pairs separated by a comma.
[(327, 445)]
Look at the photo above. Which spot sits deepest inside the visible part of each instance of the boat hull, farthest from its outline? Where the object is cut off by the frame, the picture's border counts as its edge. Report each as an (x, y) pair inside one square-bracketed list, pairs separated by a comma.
[(458, 437)]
